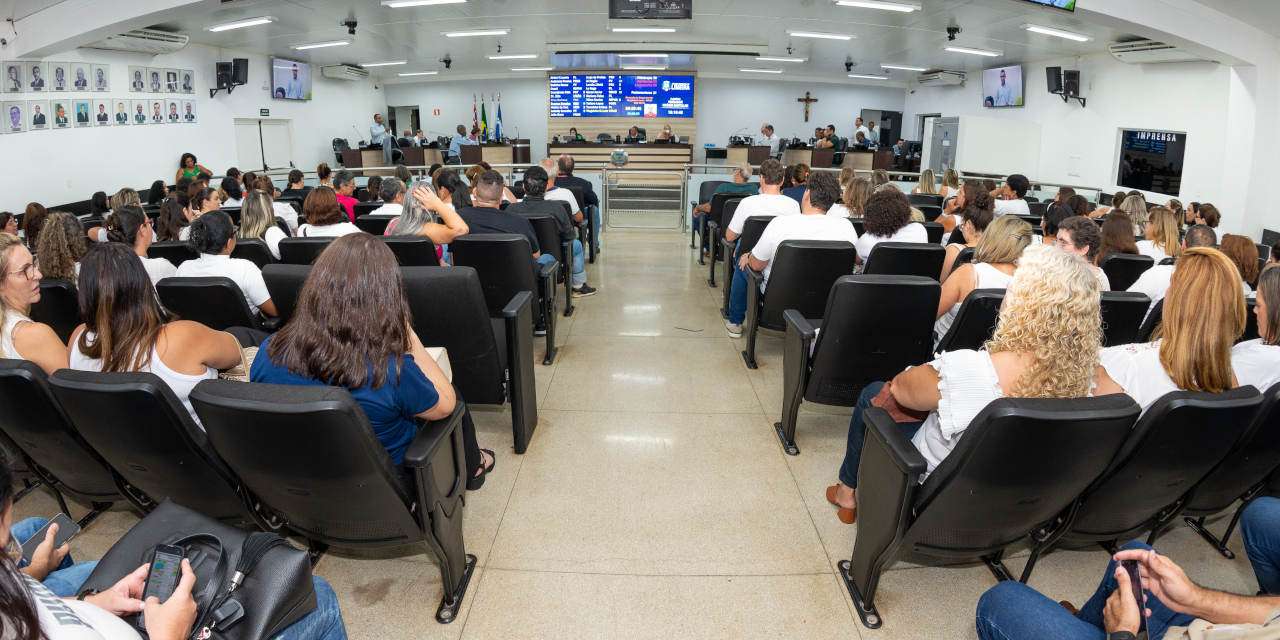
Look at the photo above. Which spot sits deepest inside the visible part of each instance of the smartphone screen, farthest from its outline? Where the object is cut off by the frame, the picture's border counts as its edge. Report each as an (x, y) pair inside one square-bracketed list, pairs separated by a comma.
[(166, 571), (1135, 581), (67, 529)]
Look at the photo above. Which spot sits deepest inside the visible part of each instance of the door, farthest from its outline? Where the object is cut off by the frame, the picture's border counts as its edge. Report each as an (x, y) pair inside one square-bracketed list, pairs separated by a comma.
[(263, 144), (943, 144)]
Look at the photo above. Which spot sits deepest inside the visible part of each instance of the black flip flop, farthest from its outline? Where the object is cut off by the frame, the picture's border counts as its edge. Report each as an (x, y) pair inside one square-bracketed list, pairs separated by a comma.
[(478, 481)]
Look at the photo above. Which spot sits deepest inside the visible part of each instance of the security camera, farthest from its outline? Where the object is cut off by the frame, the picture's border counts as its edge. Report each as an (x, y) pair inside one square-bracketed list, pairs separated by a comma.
[(351, 26), (951, 32), (848, 66), (447, 62)]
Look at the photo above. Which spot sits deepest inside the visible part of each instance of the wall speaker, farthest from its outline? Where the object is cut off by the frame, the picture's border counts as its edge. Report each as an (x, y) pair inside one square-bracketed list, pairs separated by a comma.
[(224, 71), (1071, 83), (1054, 75), (241, 70)]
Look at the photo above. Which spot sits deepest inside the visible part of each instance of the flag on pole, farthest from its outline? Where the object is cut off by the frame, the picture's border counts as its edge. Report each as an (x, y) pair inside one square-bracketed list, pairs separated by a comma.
[(484, 121), (474, 121), (497, 121)]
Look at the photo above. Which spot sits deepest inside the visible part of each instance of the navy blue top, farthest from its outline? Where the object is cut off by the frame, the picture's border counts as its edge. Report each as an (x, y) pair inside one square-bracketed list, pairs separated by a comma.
[(390, 408), (796, 193)]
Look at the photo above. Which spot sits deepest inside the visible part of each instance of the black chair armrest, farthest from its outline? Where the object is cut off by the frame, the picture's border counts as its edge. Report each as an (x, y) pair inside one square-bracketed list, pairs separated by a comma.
[(518, 317), (272, 324), (798, 324), (517, 304), (431, 434), (895, 443), (548, 269), (712, 226), (756, 277)]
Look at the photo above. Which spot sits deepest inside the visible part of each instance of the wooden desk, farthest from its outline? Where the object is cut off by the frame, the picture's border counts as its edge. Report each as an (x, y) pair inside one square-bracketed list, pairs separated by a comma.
[(653, 157), (364, 158), (520, 151), (421, 156), (815, 158), (738, 154), (868, 160), (492, 152)]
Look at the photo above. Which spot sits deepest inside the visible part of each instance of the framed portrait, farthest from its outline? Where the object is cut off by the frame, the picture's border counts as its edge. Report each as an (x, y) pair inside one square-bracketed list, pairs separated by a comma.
[(137, 79), (59, 76), (138, 112), (120, 115), (15, 116), (80, 76), (188, 78), (14, 72), (188, 110), (37, 77), (81, 113), (37, 115), (170, 80), (173, 111), (155, 80), (102, 112), (61, 112), (101, 77), (155, 112)]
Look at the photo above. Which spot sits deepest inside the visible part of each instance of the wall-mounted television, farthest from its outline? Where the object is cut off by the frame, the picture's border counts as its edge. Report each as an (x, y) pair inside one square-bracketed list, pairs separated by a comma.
[(1002, 87), (1068, 5), (290, 80), (621, 96), (1151, 160)]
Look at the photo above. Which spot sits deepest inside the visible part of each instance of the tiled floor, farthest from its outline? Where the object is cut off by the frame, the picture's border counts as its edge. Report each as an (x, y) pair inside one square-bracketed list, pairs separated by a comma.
[(655, 500)]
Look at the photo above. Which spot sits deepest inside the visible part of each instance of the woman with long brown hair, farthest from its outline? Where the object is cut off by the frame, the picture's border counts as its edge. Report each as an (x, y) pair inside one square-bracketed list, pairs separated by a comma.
[(20, 338), (171, 225), (324, 215), (1257, 361), (1244, 254), (855, 199), (352, 328), (32, 222), (129, 225), (1117, 235), (62, 245), (975, 213)]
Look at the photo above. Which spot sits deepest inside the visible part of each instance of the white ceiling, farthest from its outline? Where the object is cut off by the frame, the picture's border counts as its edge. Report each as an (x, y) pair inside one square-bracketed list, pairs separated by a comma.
[(1260, 14)]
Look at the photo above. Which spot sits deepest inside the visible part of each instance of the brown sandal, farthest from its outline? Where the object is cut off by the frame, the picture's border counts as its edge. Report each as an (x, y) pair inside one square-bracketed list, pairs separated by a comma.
[(846, 516)]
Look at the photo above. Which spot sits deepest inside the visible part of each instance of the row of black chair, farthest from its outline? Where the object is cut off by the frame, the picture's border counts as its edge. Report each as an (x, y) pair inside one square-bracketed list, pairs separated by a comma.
[(410, 251)]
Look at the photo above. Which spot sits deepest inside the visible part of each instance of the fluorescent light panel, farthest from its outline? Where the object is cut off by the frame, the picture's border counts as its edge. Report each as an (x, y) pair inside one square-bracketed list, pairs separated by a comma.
[(396, 4), (533, 69), (477, 32), (746, 70), (645, 67), (418, 73), (867, 77), (821, 34), (388, 63), (241, 24), (772, 59), (976, 52), (1034, 28), (644, 55), (514, 56), (318, 45), (643, 29), (895, 66), (876, 4)]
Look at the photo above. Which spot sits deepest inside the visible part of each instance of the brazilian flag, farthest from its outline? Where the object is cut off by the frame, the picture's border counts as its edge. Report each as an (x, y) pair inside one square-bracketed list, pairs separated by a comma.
[(484, 121)]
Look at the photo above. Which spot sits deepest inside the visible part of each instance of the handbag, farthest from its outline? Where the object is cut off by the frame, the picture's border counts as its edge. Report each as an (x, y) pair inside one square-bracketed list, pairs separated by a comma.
[(249, 585), (900, 414)]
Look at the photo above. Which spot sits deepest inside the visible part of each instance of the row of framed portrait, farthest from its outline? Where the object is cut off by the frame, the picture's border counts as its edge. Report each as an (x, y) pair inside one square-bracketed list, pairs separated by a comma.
[(56, 77), (38, 115)]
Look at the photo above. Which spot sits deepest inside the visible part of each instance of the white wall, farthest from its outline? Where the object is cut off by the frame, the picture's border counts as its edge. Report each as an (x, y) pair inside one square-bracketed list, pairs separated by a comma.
[(57, 166), (524, 106), (991, 145)]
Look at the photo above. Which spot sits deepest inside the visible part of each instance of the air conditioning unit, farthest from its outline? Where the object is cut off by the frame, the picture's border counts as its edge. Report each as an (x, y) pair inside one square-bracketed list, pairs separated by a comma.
[(142, 41), (1150, 51), (344, 72), (940, 78)]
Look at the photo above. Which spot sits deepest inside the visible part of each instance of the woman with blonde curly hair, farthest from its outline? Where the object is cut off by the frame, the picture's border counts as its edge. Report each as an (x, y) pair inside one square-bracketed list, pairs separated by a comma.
[(63, 244), (1161, 235), (1046, 345)]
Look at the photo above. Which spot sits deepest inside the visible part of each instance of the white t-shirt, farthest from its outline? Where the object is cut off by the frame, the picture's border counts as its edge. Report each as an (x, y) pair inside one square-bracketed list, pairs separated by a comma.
[(245, 274), (764, 204), (286, 212), (1256, 363), (563, 195), (102, 235), (814, 227), (75, 620), (1149, 248), (185, 234), (388, 209), (968, 383), (232, 202), (1137, 369), (158, 268), (839, 211), (272, 236), (911, 232), (326, 231), (773, 141), (1011, 207), (1154, 282)]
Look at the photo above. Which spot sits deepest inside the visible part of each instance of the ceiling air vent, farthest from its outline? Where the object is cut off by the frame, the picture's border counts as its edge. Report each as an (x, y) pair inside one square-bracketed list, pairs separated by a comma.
[(1150, 51), (142, 41)]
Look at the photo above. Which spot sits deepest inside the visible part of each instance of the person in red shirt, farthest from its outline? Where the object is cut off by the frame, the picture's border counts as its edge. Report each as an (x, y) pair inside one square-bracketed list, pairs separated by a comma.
[(344, 184)]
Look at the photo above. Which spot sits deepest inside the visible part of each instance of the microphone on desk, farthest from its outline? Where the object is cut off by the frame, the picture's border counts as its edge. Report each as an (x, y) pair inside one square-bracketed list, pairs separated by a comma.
[(353, 128)]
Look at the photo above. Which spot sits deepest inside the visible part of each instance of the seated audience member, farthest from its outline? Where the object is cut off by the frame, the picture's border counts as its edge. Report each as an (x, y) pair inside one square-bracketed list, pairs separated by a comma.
[(855, 197), (552, 192), (324, 175), (391, 193), (130, 226), (124, 198), (484, 216), (536, 180), (879, 178), (1009, 198), (282, 210), (1160, 235), (847, 174), (1117, 235), (976, 217), (32, 222), (431, 171), (1155, 281), (889, 220), (1274, 259), (351, 329), (1204, 313), (1079, 205), (235, 174), (1257, 361), (741, 184), (418, 219), (213, 237), (1082, 237), (62, 246), (950, 183), (813, 223), (1240, 249), (247, 180), (989, 184), (372, 189), (995, 261), (20, 338), (451, 189), (344, 186), (1175, 607), (8, 223), (769, 202), (1207, 215), (1045, 345), (99, 205), (403, 174), (799, 182), (230, 192), (928, 183), (195, 187), (1053, 216), (324, 216), (1136, 207), (257, 222), (295, 189), (1176, 207), (126, 329), (159, 191), (1116, 199), (180, 187), (953, 208), (171, 225), (1064, 194)]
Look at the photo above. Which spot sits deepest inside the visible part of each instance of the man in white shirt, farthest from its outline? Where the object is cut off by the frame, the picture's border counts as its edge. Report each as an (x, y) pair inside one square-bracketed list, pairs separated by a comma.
[(1008, 199), (392, 194), (563, 195), (812, 224), (770, 202), (293, 90), (1004, 94), (866, 133), (773, 141), (1154, 282)]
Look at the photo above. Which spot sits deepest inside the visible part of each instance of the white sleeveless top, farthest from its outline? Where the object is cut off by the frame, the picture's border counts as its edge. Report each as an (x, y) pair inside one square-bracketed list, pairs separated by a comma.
[(968, 383), (7, 349), (180, 383), (986, 277)]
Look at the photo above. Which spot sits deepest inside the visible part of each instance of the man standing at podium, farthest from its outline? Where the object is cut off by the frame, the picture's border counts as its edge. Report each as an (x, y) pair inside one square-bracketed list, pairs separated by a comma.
[(378, 134), (773, 141)]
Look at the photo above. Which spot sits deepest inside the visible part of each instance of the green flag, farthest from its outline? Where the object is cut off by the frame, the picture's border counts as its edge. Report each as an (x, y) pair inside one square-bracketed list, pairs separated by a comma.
[(484, 121)]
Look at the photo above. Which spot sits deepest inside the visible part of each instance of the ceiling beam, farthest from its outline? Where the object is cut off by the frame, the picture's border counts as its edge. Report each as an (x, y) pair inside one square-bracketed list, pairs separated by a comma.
[(74, 23)]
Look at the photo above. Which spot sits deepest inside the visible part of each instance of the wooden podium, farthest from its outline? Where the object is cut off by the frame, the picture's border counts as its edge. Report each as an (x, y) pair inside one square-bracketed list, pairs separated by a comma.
[(738, 154), (363, 158), (520, 153), (490, 152)]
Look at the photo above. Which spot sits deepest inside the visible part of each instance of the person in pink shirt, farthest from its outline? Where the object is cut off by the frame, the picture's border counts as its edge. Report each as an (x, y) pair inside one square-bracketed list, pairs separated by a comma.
[(344, 184)]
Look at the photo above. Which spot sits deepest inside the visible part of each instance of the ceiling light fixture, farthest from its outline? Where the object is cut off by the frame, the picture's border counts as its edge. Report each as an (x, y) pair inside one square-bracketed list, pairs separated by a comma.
[(747, 70), (242, 23), (644, 55), (1056, 32), (903, 68), (645, 67), (877, 4), (643, 30), (518, 56), (396, 4), (318, 45), (976, 52), (771, 59), (867, 77), (820, 34), (534, 69), (418, 73), (388, 63), (477, 32)]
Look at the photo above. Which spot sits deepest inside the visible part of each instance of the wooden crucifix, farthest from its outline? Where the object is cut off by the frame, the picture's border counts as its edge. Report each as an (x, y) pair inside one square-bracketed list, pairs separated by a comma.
[(807, 101)]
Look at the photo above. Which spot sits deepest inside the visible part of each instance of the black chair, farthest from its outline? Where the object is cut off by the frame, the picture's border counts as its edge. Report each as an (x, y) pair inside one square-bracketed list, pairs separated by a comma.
[(255, 251), (1036, 210), (549, 241), (150, 441), (413, 251), (48, 443), (1032, 220), (1122, 315), (339, 145), (302, 250), (705, 191), (752, 229), (366, 208), (935, 231), (859, 225), (1153, 319), (717, 227), (1015, 475), (905, 259), (801, 278), (174, 251), (604, 137), (897, 310), (489, 366), (517, 191), (233, 213), (311, 462), (284, 283), (919, 200), (58, 307), (374, 224), (1031, 199), (931, 212), (214, 302), (504, 262), (1124, 269), (965, 256), (974, 322), (716, 213), (1250, 321)]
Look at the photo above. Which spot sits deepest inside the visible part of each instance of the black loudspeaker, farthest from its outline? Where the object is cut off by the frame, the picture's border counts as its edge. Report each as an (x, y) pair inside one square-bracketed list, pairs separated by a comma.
[(1055, 79), (224, 70), (1071, 83), (241, 71)]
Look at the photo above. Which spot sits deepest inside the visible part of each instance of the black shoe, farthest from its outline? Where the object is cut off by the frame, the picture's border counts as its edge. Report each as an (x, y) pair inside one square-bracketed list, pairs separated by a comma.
[(583, 291), (540, 329), (478, 481)]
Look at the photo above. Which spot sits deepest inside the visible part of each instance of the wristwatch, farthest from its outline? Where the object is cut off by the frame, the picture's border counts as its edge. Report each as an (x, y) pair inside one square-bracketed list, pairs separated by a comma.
[(86, 593), (1121, 635)]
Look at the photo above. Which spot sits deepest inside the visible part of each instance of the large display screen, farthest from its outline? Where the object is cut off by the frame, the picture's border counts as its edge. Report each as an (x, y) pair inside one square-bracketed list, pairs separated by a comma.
[(1151, 161), (621, 96), (1002, 87), (290, 80), (1069, 5)]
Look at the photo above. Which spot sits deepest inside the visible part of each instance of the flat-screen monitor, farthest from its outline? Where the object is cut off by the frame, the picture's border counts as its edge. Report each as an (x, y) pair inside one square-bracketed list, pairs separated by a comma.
[(1068, 5), (290, 80), (1151, 161), (621, 96), (1002, 86)]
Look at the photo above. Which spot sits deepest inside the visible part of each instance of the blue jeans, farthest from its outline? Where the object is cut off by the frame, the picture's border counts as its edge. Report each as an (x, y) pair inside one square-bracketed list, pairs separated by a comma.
[(65, 581), (1260, 527), (579, 265), (595, 214), (323, 623), (858, 432), (1012, 610), (738, 295)]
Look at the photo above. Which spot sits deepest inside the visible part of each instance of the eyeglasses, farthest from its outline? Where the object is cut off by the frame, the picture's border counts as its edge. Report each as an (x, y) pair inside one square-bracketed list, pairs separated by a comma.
[(28, 271)]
